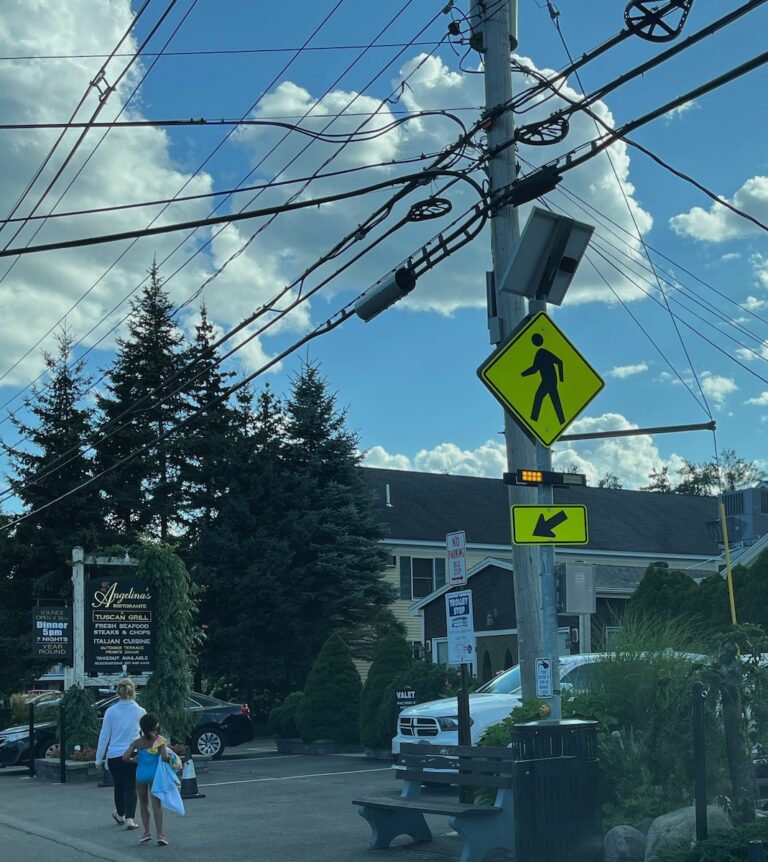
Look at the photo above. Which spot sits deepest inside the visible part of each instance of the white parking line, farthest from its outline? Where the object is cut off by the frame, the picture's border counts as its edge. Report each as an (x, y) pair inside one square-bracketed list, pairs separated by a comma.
[(252, 760), (290, 777)]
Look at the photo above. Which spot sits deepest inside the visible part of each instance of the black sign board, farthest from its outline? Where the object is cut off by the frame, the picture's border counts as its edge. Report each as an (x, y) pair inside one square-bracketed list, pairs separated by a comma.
[(52, 634), (120, 621), (405, 697)]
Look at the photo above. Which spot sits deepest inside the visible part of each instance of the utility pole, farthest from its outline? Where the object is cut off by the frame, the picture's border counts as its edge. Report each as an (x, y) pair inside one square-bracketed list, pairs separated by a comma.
[(498, 30)]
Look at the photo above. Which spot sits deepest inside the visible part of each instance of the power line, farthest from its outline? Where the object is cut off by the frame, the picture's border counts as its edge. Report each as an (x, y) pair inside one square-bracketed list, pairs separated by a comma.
[(272, 184), (223, 51), (556, 21), (103, 98), (327, 17)]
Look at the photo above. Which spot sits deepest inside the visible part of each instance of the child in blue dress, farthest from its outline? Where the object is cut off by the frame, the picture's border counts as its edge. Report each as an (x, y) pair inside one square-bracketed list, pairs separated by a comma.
[(150, 747)]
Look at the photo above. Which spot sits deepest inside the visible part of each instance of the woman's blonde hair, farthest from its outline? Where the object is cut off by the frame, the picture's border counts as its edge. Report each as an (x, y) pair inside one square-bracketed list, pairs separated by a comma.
[(126, 690)]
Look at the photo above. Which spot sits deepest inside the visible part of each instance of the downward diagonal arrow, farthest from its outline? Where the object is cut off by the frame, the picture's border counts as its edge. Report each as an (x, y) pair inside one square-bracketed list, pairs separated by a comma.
[(545, 526)]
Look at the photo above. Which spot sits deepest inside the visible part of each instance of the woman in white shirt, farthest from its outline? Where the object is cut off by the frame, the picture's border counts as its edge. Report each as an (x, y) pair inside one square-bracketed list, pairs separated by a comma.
[(118, 730)]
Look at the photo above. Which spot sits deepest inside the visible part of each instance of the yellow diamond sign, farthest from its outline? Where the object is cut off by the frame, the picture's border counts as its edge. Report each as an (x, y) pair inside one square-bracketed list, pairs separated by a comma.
[(549, 525), (540, 378)]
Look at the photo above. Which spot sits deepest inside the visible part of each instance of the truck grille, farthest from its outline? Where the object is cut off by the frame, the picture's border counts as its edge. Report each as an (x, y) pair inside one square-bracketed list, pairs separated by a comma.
[(415, 726)]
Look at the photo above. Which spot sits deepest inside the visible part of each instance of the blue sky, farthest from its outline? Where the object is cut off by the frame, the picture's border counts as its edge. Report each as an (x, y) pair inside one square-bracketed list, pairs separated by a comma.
[(408, 378)]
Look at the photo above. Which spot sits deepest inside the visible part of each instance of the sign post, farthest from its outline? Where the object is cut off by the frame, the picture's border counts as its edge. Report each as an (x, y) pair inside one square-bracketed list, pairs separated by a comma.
[(461, 651), (456, 546)]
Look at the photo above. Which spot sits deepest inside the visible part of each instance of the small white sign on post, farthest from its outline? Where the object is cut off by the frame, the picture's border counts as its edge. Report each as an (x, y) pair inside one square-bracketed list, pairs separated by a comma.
[(461, 628), (543, 677), (456, 546)]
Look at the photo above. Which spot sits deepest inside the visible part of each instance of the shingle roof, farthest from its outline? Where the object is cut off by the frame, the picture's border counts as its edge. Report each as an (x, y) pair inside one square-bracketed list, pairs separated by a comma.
[(426, 506)]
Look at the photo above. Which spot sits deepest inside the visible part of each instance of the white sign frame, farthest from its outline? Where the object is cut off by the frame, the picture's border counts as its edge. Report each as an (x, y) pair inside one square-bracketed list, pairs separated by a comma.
[(460, 627), (456, 550), (544, 686)]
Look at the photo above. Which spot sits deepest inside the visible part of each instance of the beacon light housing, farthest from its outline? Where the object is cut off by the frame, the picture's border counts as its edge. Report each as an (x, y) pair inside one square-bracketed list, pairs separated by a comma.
[(387, 291)]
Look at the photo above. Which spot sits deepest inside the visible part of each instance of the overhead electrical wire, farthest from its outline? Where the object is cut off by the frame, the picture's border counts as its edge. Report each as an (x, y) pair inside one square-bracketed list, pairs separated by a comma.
[(221, 51), (441, 242), (555, 17), (466, 137), (317, 29), (102, 101)]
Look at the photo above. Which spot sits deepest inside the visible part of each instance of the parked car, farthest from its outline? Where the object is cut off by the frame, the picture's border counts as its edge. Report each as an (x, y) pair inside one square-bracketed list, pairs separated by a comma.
[(219, 725), (437, 722)]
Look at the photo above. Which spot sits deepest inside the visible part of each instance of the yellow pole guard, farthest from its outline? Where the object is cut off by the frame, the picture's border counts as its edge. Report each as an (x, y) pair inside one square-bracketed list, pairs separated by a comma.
[(729, 573)]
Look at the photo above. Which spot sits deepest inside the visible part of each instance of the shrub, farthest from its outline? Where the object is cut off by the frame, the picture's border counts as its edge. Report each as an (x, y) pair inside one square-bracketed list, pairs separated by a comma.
[(728, 846), (391, 658), (82, 720), (282, 719), (331, 705)]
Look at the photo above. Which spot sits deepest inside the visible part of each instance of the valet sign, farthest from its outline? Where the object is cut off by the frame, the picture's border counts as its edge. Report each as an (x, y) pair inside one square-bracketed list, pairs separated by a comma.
[(461, 628), (120, 621)]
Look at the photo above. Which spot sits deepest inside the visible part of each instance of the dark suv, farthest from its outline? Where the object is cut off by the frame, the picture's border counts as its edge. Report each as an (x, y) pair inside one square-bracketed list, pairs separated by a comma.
[(219, 725)]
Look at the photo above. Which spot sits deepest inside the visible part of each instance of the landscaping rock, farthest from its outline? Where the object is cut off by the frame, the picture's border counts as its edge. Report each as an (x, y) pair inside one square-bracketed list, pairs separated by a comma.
[(624, 844), (680, 826)]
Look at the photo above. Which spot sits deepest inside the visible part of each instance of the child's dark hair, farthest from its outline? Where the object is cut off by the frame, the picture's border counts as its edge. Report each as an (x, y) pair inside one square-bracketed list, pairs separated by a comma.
[(148, 723)]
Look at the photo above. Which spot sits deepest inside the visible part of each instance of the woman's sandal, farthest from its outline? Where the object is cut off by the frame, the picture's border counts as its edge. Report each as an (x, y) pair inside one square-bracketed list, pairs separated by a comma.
[(118, 819), (132, 826), (162, 840), (145, 838)]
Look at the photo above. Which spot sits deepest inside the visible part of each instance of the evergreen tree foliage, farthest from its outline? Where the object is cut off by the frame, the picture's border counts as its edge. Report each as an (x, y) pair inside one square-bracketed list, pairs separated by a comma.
[(294, 553), (144, 495), (82, 720), (209, 438), (662, 593), (48, 466), (282, 719), (392, 657), (176, 636), (331, 705), (33, 556)]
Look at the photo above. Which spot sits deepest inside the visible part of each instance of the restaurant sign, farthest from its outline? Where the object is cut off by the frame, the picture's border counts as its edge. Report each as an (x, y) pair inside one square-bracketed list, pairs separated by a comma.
[(120, 624)]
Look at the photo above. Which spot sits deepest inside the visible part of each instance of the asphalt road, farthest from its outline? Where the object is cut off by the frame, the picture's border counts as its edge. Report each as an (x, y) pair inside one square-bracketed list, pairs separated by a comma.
[(286, 808)]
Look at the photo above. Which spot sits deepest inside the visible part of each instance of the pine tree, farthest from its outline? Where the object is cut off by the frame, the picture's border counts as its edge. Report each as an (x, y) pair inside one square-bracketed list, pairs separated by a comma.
[(331, 706), (393, 656), (210, 438), (343, 560), (54, 464), (144, 495), (33, 556)]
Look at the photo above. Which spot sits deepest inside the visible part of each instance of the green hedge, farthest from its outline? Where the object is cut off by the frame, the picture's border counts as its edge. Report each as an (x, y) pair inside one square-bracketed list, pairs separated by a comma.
[(392, 657), (282, 719), (729, 846)]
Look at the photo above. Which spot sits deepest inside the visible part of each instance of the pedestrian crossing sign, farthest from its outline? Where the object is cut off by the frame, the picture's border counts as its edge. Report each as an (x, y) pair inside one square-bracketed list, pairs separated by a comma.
[(540, 378)]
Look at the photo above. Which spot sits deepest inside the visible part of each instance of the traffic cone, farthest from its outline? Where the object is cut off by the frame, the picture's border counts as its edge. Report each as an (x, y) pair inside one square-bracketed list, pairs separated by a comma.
[(189, 782), (106, 777), (756, 853)]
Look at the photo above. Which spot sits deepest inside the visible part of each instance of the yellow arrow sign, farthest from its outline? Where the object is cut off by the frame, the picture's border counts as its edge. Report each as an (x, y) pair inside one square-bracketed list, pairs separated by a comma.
[(549, 525), (541, 378)]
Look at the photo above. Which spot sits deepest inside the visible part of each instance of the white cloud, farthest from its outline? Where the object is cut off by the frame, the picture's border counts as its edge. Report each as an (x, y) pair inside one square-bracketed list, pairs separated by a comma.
[(729, 256), (752, 303), (623, 371), (761, 400), (751, 354), (719, 224), (716, 387), (678, 112), (630, 458)]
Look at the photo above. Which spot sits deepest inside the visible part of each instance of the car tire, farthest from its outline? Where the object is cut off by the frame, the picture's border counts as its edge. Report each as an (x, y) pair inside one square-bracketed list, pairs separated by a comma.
[(48, 749), (209, 742)]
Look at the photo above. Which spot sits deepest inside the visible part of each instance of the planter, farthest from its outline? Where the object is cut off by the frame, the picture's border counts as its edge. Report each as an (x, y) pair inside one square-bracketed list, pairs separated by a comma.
[(321, 746), (379, 754), (78, 771)]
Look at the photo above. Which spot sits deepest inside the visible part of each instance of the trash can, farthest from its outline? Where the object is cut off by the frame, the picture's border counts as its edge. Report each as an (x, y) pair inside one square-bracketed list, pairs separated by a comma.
[(557, 805)]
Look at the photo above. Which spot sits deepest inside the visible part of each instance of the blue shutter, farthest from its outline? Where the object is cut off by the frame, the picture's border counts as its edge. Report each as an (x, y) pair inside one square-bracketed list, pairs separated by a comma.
[(439, 572), (405, 578)]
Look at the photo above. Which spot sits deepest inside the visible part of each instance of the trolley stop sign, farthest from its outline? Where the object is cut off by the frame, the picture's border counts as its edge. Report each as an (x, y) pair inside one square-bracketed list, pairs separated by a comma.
[(540, 378)]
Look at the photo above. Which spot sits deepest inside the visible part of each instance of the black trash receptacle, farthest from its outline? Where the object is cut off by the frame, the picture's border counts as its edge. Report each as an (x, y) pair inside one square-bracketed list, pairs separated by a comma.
[(557, 805)]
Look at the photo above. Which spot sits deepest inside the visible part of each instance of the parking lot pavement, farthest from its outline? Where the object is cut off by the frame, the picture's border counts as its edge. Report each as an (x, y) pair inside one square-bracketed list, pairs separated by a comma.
[(286, 808)]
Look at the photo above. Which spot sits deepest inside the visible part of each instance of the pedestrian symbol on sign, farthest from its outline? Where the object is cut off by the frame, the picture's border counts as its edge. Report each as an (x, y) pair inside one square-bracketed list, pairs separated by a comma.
[(550, 367)]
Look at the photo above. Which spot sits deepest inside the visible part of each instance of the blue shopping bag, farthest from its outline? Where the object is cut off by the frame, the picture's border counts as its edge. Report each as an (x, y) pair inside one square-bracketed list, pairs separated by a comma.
[(166, 788)]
